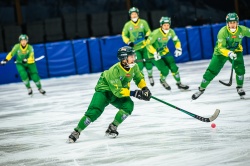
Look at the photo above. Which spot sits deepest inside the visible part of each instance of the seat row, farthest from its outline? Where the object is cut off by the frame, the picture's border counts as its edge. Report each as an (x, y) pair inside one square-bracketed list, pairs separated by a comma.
[(73, 26)]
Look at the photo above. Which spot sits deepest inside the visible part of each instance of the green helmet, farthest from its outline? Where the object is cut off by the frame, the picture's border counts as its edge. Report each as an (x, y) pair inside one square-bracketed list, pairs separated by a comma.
[(23, 37), (164, 20), (133, 9), (124, 52), (232, 17)]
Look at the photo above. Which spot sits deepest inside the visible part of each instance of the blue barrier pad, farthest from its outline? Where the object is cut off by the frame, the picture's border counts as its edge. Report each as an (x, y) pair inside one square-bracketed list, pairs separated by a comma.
[(110, 46), (95, 55), (206, 41), (194, 43), (81, 56), (8, 72), (215, 29), (60, 59), (42, 67), (181, 33), (244, 41), (247, 23)]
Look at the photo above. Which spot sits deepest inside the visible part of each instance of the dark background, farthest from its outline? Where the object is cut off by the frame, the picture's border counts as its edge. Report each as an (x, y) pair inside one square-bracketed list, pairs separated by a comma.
[(73, 19)]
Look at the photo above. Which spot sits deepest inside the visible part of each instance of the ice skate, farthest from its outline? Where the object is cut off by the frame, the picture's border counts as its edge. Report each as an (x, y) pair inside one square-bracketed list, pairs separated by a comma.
[(112, 131), (198, 94), (73, 137), (30, 92), (181, 86), (151, 80), (241, 92), (42, 91), (165, 85)]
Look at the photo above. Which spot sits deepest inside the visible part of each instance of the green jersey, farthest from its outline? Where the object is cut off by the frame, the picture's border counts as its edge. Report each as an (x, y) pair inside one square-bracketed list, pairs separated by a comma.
[(22, 53), (117, 80), (229, 41), (135, 32), (157, 41)]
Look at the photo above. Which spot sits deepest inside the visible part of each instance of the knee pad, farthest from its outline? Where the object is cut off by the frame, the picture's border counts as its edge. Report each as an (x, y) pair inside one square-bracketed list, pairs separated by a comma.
[(240, 71), (210, 74), (164, 72), (35, 77), (23, 75), (93, 114), (128, 106)]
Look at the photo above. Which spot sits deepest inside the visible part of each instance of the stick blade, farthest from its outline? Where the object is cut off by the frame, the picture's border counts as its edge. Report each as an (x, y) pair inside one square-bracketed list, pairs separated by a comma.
[(215, 115), (39, 58), (226, 84)]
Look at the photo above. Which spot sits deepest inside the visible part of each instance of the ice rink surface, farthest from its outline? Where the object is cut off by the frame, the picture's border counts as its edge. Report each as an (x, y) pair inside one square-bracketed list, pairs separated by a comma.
[(34, 129)]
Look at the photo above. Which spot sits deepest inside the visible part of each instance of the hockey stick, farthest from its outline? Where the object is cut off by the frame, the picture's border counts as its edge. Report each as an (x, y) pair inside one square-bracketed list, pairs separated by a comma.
[(138, 45), (144, 60), (231, 77), (37, 59), (148, 59), (212, 118)]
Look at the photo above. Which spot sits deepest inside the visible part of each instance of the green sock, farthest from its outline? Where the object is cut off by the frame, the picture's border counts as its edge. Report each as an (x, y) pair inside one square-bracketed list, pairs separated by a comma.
[(177, 77), (204, 83), (240, 80), (150, 72), (38, 85), (120, 117), (83, 123), (162, 78), (26, 83)]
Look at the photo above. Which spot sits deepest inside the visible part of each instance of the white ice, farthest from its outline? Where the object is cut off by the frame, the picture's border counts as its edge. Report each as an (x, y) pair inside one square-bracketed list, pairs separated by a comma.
[(33, 131)]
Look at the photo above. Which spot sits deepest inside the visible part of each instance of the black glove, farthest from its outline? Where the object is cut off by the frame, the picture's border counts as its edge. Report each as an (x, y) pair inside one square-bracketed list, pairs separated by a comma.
[(131, 44), (143, 94), (3, 62), (146, 37), (24, 61)]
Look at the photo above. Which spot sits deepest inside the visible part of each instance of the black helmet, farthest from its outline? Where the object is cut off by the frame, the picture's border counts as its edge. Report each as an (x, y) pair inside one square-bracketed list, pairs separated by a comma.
[(124, 52)]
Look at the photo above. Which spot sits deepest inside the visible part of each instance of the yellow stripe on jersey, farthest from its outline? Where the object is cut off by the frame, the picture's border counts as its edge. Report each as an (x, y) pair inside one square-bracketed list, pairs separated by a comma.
[(150, 48), (128, 84), (178, 45), (142, 84), (9, 56), (135, 23), (148, 33), (31, 58), (125, 92), (239, 49), (23, 49), (232, 32), (223, 51), (125, 38)]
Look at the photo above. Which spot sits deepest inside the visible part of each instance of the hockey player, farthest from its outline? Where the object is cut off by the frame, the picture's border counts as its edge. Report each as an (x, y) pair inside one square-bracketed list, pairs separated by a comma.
[(163, 59), (25, 63), (113, 88), (228, 47), (134, 34)]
